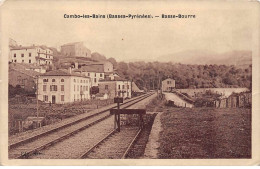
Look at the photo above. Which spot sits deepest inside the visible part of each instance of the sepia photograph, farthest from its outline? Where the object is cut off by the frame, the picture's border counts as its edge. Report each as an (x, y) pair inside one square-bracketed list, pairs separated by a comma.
[(140, 80)]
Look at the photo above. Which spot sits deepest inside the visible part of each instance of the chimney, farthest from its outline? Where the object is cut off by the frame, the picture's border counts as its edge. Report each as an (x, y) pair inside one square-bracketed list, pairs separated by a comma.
[(69, 70), (76, 65)]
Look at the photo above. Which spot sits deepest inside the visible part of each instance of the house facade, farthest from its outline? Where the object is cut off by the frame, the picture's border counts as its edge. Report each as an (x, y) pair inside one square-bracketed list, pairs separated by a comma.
[(168, 85), (31, 54), (117, 87), (94, 73), (60, 87), (76, 49)]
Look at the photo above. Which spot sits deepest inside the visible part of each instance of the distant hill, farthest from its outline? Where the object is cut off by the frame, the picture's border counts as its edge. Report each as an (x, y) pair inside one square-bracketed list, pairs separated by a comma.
[(237, 58)]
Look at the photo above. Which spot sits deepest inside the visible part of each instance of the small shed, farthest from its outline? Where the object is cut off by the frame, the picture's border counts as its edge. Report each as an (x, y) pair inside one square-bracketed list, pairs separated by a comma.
[(33, 122)]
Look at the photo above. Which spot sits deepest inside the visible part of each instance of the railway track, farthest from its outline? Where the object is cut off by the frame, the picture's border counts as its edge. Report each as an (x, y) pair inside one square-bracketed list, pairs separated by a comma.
[(115, 145), (33, 145)]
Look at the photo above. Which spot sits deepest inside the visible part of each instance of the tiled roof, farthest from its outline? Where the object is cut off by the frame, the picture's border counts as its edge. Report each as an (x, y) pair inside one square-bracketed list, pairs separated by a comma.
[(22, 47), (24, 66), (29, 47), (62, 73), (72, 43), (115, 79), (90, 69), (31, 73), (168, 79)]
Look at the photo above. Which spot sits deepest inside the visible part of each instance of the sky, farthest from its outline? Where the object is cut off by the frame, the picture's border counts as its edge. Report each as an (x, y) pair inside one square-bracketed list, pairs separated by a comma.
[(218, 29)]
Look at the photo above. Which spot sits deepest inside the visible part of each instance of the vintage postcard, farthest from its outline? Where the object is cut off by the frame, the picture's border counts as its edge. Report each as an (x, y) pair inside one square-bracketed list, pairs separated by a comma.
[(129, 82)]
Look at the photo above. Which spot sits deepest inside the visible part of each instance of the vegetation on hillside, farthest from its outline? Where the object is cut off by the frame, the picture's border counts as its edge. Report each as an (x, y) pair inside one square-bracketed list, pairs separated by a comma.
[(147, 75)]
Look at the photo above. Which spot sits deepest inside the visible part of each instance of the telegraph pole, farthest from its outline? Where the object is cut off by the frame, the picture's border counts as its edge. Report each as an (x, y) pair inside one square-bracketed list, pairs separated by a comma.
[(37, 96)]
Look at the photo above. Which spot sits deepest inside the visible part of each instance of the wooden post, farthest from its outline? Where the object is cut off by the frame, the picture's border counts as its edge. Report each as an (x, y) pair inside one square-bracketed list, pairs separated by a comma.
[(115, 122), (118, 117)]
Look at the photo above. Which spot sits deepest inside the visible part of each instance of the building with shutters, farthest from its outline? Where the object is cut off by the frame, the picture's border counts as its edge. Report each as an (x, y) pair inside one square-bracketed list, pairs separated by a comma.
[(62, 86), (115, 87), (38, 55)]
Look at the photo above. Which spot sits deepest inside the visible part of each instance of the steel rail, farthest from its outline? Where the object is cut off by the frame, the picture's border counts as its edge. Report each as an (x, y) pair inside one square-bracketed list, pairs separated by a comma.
[(51, 143), (84, 155), (67, 125), (131, 144)]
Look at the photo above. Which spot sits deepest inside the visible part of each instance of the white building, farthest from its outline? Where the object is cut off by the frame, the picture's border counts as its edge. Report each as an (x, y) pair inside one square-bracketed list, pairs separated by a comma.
[(39, 55), (116, 87), (93, 73), (61, 86), (168, 85)]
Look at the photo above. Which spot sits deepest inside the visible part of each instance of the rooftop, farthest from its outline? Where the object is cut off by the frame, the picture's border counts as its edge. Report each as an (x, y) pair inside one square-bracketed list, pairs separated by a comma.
[(90, 68), (31, 73), (61, 72), (29, 47), (72, 43), (115, 79), (24, 66)]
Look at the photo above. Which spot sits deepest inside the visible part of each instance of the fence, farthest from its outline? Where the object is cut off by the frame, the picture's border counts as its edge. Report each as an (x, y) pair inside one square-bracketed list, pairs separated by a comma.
[(243, 99)]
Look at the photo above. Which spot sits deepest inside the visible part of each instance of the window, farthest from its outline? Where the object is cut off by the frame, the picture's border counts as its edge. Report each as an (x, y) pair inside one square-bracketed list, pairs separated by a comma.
[(62, 80), (80, 81), (101, 75), (30, 61), (118, 86), (53, 80), (44, 88), (95, 75), (15, 55), (22, 55), (53, 88), (75, 80), (127, 86), (88, 74), (62, 88), (74, 88), (78, 88), (30, 54), (95, 80), (86, 88), (45, 98), (23, 61), (106, 87), (62, 98), (15, 60), (123, 86), (45, 80)]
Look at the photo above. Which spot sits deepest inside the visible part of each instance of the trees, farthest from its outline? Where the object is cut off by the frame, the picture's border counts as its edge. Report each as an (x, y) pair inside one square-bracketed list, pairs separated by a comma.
[(146, 75)]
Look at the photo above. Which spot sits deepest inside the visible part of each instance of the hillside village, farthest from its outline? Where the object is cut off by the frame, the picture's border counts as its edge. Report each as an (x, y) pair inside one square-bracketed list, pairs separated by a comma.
[(81, 80), (72, 74)]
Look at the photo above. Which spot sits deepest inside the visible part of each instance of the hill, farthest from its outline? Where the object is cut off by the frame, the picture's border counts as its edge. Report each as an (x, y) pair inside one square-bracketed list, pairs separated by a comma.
[(237, 58)]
